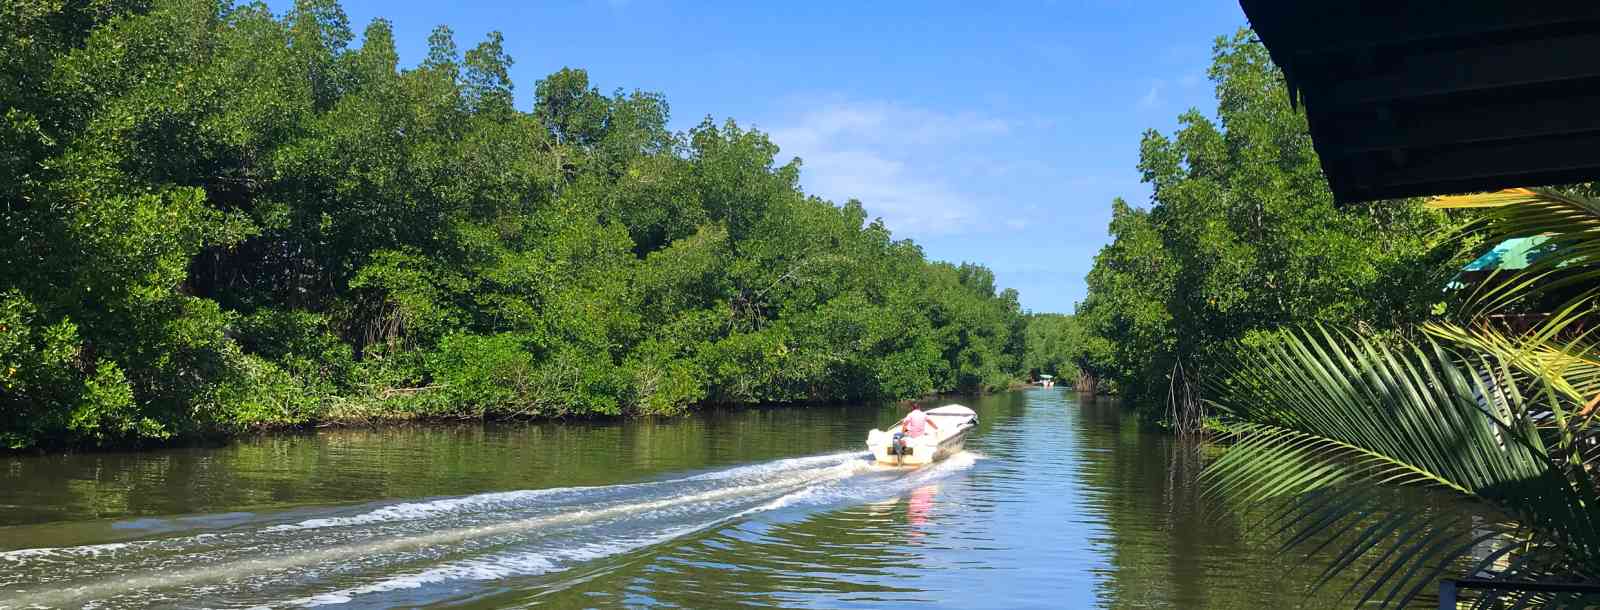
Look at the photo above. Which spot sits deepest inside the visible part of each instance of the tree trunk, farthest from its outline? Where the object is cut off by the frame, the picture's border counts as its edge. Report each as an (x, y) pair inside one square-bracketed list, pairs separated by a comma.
[(1087, 383)]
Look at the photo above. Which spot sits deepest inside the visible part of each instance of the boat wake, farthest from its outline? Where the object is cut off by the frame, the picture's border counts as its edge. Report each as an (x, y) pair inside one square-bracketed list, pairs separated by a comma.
[(360, 554)]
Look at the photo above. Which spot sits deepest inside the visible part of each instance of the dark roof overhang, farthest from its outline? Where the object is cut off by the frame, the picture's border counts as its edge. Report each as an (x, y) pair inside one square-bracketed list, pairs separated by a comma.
[(1408, 98)]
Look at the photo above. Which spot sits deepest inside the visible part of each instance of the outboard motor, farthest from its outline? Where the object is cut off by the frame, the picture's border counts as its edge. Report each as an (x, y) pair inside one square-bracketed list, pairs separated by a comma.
[(898, 445)]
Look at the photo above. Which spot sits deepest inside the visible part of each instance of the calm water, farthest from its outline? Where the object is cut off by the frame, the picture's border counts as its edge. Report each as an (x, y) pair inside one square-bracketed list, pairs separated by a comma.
[(1056, 503)]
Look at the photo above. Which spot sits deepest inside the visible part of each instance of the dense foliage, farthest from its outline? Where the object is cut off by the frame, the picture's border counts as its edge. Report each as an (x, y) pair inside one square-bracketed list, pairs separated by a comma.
[(1241, 237), (1048, 343), (1064, 346), (218, 219)]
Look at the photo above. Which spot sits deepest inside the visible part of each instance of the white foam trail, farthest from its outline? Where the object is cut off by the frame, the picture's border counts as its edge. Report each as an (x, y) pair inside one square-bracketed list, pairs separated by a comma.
[(411, 511), (494, 568), (93, 550), (774, 485), (775, 466), (57, 554), (533, 564), (821, 494), (234, 569)]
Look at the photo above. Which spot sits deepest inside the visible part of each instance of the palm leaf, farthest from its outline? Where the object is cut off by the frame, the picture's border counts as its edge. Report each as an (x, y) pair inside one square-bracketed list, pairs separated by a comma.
[(1570, 364), (1493, 199), (1327, 424)]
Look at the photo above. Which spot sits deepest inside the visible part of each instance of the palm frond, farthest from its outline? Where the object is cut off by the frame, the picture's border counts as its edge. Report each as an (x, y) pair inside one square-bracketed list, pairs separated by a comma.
[(1555, 350), (1328, 425), (1493, 199)]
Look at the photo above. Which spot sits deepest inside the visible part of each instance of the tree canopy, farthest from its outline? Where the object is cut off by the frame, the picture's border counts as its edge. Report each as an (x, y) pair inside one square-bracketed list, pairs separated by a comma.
[(1241, 237), (218, 219)]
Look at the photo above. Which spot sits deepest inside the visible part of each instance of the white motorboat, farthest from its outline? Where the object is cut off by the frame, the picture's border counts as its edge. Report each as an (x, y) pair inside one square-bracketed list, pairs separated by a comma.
[(953, 421)]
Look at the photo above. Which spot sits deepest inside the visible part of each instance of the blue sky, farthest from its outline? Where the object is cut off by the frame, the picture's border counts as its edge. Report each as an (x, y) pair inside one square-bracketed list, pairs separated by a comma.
[(996, 133)]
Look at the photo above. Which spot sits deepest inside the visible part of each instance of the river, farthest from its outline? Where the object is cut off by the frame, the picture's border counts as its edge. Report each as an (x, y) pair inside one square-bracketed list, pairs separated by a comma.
[(1057, 503)]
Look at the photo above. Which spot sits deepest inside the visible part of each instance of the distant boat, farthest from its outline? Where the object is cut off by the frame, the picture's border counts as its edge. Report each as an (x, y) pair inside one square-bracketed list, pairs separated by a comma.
[(1048, 381), (953, 421)]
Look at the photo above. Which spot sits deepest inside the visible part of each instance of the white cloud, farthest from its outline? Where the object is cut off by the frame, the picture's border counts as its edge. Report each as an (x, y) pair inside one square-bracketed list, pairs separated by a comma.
[(889, 156), (1152, 97)]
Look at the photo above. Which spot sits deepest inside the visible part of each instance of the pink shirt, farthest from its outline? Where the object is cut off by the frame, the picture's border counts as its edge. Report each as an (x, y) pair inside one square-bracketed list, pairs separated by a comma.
[(916, 422)]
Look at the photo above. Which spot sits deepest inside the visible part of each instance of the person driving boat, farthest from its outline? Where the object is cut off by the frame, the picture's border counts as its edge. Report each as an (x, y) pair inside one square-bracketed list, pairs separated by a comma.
[(916, 422), (913, 425)]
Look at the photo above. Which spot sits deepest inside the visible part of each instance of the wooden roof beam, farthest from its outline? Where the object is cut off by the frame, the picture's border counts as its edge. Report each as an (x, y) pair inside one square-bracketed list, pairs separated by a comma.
[(1461, 121), (1311, 27), (1510, 64), (1465, 168)]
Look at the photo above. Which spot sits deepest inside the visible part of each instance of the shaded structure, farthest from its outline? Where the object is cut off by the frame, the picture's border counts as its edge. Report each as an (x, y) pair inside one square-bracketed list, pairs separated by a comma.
[(1409, 98)]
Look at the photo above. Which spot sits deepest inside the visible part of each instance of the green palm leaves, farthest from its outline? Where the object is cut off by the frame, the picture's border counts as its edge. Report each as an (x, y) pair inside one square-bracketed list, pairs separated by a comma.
[(1489, 415)]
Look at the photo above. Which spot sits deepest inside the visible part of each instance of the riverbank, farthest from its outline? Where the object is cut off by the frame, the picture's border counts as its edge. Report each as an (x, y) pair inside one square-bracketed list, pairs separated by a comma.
[(405, 409)]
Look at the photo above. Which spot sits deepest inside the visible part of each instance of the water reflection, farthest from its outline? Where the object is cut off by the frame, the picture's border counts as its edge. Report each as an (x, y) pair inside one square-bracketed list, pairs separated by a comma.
[(918, 506)]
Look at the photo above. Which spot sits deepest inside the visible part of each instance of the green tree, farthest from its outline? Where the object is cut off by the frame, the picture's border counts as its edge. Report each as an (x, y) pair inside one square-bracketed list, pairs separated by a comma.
[(218, 219), (1053, 345), (1242, 237)]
